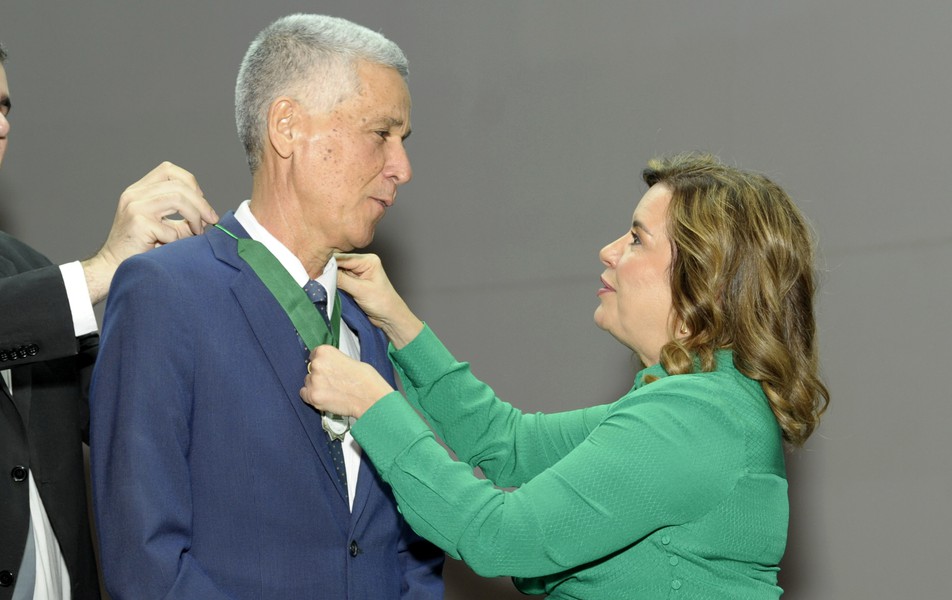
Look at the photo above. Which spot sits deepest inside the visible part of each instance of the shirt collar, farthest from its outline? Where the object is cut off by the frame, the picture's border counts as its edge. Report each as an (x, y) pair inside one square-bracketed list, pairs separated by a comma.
[(288, 260)]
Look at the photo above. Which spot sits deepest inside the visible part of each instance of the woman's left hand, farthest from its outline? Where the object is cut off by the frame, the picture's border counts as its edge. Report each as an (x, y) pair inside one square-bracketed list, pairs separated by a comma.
[(338, 384)]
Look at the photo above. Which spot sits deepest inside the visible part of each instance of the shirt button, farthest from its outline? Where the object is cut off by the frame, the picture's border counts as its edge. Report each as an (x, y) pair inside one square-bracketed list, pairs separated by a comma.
[(676, 584), (665, 540), (674, 561), (354, 548), (18, 473)]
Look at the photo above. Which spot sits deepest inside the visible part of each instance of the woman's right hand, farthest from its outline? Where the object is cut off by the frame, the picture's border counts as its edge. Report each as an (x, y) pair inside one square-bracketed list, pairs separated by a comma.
[(363, 277)]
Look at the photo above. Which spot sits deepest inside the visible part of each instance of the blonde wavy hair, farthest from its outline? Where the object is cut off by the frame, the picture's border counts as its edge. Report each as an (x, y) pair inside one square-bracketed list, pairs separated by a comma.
[(742, 278)]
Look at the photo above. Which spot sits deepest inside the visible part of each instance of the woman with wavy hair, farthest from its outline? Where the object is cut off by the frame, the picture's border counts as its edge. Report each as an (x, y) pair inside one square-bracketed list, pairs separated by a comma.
[(677, 489)]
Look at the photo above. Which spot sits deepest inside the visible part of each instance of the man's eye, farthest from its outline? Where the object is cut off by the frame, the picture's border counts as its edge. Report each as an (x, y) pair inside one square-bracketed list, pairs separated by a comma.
[(635, 240)]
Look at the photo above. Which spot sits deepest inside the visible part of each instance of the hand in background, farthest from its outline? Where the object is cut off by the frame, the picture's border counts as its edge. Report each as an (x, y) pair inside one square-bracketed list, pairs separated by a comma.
[(363, 277), (143, 222)]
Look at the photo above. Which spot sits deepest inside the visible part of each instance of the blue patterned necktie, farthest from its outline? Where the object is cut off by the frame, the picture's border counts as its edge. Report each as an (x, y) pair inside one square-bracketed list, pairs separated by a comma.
[(318, 295)]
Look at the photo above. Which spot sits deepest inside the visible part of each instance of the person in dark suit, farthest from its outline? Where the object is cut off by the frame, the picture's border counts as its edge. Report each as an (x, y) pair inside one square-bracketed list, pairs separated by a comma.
[(212, 479), (48, 344)]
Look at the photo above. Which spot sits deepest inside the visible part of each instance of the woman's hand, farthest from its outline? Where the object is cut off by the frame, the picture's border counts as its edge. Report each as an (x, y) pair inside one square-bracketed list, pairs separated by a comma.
[(362, 276), (338, 384)]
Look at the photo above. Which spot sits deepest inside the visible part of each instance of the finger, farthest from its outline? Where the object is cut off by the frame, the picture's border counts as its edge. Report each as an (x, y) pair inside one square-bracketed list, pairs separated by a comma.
[(145, 233), (349, 258), (166, 171), (327, 351), (186, 200), (196, 213), (169, 179), (170, 171), (350, 282), (185, 222), (309, 397), (170, 197), (182, 228), (166, 232), (358, 263)]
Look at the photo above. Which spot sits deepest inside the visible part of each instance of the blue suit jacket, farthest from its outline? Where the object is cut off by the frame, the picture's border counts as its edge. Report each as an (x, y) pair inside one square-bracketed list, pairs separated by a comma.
[(211, 476)]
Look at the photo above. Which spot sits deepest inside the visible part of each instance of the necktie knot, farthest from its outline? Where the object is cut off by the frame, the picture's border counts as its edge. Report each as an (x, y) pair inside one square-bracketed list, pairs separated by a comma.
[(318, 295)]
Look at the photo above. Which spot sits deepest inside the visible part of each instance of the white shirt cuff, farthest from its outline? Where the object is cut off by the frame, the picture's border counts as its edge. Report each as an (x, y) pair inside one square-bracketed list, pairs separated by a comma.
[(84, 319)]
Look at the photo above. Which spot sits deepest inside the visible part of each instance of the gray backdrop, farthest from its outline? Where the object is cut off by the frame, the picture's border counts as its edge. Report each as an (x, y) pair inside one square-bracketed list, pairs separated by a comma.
[(531, 123)]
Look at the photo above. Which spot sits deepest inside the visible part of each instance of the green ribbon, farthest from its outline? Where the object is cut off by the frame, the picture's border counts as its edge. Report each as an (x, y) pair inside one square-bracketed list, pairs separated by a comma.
[(310, 324)]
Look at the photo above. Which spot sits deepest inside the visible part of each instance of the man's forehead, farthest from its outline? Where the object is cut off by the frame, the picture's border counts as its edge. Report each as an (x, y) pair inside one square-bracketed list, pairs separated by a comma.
[(384, 100)]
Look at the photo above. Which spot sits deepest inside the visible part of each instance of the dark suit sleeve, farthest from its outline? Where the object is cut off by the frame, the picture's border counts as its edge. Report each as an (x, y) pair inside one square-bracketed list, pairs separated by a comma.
[(422, 564), (35, 320)]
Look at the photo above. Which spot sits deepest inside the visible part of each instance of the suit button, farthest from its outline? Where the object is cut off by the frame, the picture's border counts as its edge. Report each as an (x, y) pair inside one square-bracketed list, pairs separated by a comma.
[(18, 473), (4, 357), (32, 349), (354, 548), (6, 578)]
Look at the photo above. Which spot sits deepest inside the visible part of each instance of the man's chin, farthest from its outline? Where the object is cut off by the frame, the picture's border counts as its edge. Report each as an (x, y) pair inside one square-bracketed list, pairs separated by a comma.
[(364, 241)]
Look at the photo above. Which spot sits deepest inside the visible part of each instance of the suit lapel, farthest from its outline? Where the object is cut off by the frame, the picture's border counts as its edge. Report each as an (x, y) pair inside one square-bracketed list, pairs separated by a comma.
[(277, 338), (373, 352)]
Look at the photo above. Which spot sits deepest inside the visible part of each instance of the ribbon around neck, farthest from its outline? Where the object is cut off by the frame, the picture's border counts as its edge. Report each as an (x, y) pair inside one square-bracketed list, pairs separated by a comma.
[(306, 318), (308, 321)]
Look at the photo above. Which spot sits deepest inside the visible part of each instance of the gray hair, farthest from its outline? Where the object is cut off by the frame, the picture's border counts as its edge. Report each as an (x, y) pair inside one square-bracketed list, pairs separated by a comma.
[(311, 58)]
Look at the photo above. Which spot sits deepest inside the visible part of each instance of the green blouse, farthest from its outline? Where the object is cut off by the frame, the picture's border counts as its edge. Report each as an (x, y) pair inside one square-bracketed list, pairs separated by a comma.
[(676, 490)]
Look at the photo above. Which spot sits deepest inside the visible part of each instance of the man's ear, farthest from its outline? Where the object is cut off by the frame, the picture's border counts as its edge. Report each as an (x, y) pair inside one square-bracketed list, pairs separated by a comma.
[(282, 116)]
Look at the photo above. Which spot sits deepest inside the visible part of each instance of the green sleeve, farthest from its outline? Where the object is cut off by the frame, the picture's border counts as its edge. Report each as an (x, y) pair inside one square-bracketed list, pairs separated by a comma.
[(651, 462), (510, 447)]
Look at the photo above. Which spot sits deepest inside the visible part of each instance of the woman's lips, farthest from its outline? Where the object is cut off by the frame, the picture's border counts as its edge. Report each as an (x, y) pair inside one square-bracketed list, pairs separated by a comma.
[(605, 287)]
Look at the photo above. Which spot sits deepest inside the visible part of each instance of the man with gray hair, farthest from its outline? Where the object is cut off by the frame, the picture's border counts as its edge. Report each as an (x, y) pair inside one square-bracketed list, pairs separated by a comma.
[(48, 344), (212, 479)]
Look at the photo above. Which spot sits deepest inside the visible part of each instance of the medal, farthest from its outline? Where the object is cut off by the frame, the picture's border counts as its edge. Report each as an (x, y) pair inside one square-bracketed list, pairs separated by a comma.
[(335, 425)]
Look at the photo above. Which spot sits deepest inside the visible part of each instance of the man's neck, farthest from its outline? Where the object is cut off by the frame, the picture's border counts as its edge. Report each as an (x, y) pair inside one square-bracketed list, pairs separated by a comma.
[(286, 225)]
